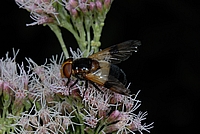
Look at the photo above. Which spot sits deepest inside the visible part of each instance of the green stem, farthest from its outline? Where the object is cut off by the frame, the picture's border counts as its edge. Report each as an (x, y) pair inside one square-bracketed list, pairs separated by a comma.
[(77, 106), (81, 122), (97, 29), (80, 27), (4, 112), (88, 40), (99, 127), (58, 34), (68, 22), (87, 23)]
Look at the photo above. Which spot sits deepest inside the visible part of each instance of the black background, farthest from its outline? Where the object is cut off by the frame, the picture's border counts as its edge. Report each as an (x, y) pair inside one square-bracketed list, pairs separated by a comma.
[(165, 69)]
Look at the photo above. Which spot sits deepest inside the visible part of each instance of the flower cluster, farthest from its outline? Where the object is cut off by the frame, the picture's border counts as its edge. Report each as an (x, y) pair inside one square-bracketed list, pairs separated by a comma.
[(80, 17), (56, 11), (35, 99)]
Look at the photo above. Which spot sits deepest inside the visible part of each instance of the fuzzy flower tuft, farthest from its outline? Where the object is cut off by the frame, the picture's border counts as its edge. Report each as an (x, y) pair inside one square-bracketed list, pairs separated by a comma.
[(36, 100)]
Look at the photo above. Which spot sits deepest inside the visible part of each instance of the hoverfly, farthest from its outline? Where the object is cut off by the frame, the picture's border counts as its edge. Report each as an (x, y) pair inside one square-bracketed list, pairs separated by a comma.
[(100, 67)]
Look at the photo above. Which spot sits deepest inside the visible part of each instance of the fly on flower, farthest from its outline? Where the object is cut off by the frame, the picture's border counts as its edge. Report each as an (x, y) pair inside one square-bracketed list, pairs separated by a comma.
[(100, 67)]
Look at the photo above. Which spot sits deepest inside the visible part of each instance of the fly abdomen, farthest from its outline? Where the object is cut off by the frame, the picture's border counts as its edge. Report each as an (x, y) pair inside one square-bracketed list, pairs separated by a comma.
[(118, 73)]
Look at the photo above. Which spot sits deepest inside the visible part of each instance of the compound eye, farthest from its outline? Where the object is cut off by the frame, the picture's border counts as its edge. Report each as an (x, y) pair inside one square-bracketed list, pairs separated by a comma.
[(66, 68)]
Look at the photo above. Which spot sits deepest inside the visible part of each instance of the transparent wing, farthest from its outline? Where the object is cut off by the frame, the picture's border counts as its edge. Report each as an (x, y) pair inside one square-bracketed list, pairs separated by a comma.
[(117, 53)]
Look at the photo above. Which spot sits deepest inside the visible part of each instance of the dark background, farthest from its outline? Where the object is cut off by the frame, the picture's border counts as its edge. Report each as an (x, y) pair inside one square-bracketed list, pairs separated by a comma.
[(165, 69)]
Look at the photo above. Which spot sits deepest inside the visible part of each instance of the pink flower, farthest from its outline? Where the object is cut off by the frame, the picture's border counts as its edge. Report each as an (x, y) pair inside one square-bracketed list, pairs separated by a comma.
[(42, 103)]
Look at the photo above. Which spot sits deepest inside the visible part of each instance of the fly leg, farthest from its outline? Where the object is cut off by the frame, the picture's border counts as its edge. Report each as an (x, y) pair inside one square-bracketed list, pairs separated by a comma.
[(70, 86), (96, 87)]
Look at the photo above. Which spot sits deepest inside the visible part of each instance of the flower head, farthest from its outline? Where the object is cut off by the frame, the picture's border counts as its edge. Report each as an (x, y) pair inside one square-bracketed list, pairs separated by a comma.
[(44, 104)]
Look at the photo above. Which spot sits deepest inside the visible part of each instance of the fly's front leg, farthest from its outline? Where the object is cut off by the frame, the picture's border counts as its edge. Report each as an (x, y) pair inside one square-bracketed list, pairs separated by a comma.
[(70, 86)]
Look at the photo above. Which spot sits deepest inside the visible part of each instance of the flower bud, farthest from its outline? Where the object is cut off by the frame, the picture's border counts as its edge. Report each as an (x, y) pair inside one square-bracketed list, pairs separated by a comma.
[(6, 92), (1, 86), (132, 127), (74, 12), (73, 3), (99, 5), (83, 7), (116, 98), (107, 3), (113, 116), (92, 6), (102, 113), (20, 96), (111, 128), (95, 44), (17, 107)]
